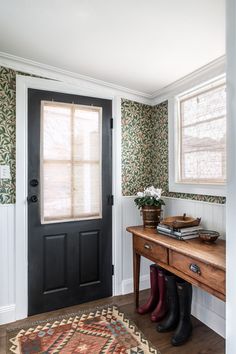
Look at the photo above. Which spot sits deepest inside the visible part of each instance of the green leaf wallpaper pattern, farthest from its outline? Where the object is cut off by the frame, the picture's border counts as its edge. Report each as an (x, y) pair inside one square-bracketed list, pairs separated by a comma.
[(7, 132), (145, 150), (144, 144), (137, 142)]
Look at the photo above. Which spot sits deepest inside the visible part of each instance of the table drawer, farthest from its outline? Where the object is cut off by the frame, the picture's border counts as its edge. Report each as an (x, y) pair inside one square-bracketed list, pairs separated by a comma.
[(204, 273), (151, 250)]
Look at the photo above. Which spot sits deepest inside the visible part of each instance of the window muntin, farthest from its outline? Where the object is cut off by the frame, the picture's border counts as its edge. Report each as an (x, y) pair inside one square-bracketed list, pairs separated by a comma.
[(202, 135)]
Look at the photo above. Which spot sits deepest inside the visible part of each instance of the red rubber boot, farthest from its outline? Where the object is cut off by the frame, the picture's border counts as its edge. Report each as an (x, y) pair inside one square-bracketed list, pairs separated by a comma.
[(153, 298), (161, 307)]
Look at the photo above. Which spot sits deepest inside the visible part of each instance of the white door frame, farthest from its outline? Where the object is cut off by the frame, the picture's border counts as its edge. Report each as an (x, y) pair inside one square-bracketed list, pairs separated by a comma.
[(21, 230)]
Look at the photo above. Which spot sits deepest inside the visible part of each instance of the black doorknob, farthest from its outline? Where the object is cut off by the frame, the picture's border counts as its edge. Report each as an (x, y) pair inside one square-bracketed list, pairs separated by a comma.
[(34, 182), (33, 199)]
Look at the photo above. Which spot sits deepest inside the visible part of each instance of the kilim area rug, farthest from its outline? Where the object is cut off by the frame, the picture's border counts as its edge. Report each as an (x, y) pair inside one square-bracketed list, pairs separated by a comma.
[(100, 331)]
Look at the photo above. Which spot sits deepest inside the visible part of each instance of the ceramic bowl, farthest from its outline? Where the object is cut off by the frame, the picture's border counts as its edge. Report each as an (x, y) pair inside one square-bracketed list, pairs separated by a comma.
[(208, 236)]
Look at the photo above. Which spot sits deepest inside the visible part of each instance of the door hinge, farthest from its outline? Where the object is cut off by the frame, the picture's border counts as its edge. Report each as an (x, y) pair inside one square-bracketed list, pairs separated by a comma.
[(112, 269), (111, 123), (111, 199)]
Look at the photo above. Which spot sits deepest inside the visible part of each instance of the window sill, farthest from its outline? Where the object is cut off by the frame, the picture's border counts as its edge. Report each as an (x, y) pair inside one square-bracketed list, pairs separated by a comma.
[(203, 189)]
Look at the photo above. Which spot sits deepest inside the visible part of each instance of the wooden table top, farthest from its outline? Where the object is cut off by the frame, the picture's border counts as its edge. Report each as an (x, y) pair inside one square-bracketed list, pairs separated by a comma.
[(213, 254)]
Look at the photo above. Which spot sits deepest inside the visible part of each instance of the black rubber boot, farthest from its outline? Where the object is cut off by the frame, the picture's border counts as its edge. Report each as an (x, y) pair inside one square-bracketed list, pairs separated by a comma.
[(184, 328), (171, 321)]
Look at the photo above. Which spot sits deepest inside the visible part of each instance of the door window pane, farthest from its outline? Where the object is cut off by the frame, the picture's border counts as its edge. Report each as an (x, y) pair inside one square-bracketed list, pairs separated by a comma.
[(87, 135), (86, 179), (56, 130), (70, 162), (56, 191)]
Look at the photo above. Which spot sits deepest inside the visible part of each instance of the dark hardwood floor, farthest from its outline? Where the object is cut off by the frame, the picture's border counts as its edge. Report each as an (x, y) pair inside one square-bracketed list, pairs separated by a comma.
[(203, 340)]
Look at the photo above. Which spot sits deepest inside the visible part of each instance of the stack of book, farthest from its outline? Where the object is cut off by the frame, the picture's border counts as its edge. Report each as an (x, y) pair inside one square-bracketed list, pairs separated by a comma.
[(184, 233)]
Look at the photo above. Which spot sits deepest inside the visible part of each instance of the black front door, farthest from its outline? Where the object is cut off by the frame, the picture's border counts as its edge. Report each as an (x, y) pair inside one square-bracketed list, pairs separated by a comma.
[(69, 200)]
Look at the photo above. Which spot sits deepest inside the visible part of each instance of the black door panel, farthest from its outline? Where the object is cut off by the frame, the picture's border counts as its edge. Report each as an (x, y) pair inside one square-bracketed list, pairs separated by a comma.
[(68, 262)]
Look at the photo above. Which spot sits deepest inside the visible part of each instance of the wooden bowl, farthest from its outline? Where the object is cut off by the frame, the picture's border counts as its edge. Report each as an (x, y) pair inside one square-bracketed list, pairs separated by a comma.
[(208, 236), (180, 221)]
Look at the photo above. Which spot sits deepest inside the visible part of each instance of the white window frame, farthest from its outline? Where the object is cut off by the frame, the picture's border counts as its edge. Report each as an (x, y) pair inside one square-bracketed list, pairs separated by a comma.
[(173, 140)]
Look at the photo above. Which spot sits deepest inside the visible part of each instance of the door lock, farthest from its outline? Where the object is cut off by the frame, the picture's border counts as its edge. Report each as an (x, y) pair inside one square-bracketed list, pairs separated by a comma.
[(34, 182), (33, 199)]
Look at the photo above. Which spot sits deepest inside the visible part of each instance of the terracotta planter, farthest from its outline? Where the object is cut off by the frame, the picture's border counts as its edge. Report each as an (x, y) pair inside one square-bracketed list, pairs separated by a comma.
[(151, 216)]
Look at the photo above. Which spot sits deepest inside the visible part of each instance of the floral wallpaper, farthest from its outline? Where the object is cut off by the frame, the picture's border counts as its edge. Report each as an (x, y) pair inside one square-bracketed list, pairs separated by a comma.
[(7, 132), (137, 143), (144, 144), (145, 150)]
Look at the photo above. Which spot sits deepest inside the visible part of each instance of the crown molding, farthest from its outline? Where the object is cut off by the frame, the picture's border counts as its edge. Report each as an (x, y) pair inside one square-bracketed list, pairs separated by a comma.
[(43, 70), (213, 69)]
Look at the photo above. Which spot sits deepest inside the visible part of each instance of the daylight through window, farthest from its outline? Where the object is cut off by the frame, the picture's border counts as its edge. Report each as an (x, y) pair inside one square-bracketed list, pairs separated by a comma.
[(70, 162), (202, 135)]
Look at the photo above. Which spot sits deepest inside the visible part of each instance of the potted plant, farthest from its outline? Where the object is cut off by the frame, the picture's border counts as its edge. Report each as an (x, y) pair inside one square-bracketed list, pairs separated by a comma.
[(150, 202)]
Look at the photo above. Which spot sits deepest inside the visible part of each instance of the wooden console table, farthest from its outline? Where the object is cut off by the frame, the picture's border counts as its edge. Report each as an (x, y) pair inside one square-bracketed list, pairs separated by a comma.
[(200, 264)]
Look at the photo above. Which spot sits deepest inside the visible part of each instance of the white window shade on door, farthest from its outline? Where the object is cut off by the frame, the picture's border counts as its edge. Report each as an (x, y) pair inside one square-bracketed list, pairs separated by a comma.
[(70, 162), (202, 136)]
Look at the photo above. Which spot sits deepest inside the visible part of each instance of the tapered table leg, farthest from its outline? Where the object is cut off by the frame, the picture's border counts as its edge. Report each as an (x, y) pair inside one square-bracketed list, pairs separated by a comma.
[(136, 274)]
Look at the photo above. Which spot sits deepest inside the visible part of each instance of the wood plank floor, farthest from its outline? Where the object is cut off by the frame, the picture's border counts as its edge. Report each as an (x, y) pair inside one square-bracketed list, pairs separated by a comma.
[(203, 340)]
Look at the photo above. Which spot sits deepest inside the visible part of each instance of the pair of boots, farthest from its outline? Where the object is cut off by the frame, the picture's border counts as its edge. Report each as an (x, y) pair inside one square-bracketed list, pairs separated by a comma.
[(179, 294), (156, 303)]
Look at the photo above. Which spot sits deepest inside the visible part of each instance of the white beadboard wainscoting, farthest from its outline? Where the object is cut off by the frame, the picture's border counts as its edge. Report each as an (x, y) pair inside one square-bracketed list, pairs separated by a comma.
[(205, 307), (7, 263)]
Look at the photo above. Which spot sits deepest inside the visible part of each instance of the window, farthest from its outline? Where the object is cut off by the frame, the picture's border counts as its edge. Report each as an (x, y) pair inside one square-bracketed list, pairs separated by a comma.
[(70, 162), (200, 139)]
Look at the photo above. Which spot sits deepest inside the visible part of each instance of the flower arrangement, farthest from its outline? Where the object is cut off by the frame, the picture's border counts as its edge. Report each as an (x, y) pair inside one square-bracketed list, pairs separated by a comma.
[(150, 196)]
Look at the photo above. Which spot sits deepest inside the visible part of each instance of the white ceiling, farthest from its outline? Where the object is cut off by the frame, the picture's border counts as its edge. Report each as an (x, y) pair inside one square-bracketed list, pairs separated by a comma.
[(139, 44)]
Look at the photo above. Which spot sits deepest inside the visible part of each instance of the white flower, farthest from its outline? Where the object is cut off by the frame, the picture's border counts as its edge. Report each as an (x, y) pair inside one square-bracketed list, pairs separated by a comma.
[(153, 192), (140, 194), (147, 193), (158, 193)]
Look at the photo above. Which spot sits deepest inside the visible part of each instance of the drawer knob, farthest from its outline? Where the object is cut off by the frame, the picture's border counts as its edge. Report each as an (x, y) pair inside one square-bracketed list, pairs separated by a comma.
[(147, 246), (195, 268)]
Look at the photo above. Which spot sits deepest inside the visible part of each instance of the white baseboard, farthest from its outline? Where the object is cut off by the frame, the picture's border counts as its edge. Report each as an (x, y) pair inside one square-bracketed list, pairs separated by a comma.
[(202, 313), (209, 318), (7, 314), (127, 284)]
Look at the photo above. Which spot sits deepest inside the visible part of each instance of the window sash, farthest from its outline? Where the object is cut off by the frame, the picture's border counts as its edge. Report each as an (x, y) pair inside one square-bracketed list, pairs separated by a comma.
[(221, 147)]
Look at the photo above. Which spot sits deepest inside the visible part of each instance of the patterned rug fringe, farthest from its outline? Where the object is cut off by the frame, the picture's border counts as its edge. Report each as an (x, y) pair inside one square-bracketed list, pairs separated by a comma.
[(61, 317)]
